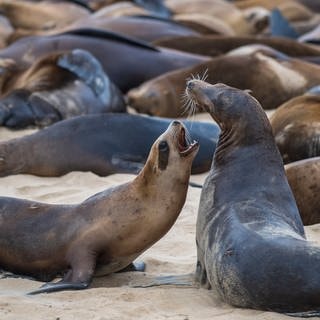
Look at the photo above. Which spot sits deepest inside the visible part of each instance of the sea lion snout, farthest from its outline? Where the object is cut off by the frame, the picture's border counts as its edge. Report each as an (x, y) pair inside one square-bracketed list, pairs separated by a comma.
[(196, 91)]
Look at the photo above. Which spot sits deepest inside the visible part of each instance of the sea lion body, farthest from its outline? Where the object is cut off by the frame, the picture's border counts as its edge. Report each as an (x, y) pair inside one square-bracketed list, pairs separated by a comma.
[(57, 87), (212, 45), (106, 232), (304, 180), (117, 54), (272, 81), (98, 143), (296, 127), (42, 15), (251, 245)]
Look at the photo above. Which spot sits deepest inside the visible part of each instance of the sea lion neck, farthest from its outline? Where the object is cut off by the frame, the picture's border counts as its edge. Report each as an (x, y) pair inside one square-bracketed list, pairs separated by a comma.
[(252, 128), (151, 177)]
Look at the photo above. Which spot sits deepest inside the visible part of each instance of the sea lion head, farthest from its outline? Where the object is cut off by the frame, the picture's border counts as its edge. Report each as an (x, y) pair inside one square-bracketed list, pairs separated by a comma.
[(173, 152), (156, 97), (228, 106)]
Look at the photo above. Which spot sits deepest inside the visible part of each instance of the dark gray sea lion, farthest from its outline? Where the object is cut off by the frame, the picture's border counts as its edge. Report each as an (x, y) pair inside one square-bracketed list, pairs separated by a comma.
[(304, 180), (127, 62), (57, 87), (251, 244), (106, 232), (144, 28), (98, 143), (296, 128)]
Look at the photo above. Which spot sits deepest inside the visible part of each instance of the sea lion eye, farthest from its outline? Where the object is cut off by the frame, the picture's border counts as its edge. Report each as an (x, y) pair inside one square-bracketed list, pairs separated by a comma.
[(163, 146), (163, 155)]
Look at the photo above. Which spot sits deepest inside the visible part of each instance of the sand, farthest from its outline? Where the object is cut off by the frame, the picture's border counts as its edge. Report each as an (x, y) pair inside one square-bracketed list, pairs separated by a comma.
[(111, 297)]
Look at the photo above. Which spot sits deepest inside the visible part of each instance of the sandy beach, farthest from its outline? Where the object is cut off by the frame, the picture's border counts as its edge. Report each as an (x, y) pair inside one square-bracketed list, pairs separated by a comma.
[(111, 297)]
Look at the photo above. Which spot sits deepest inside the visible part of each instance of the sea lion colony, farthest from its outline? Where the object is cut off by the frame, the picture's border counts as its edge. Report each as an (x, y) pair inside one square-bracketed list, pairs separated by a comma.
[(114, 56)]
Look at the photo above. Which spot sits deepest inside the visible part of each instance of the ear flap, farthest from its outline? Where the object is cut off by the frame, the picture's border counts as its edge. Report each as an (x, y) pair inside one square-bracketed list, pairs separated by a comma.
[(163, 155)]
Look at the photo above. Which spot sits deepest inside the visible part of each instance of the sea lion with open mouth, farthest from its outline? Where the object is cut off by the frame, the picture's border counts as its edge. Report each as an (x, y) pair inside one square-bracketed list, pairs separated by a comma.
[(106, 232)]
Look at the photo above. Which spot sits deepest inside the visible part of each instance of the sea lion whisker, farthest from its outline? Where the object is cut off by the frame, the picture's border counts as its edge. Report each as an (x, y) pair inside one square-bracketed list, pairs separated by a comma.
[(205, 75)]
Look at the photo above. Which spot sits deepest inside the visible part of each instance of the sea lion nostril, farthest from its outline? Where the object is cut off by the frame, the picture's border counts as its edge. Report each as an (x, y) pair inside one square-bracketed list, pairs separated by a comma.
[(190, 85), (176, 123)]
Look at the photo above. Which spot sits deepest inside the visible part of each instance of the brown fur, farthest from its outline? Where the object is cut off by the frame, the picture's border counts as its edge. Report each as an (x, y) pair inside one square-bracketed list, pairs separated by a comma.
[(223, 10), (217, 45), (296, 127), (108, 230), (41, 16), (304, 180)]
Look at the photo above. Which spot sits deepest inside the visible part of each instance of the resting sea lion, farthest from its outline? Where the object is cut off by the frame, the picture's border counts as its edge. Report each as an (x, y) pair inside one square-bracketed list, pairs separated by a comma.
[(304, 180), (117, 54), (216, 45), (251, 245), (220, 9), (144, 28), (98, 143), (296, 128), (272, 81), (56, 87), (106, 232), (41, 15)]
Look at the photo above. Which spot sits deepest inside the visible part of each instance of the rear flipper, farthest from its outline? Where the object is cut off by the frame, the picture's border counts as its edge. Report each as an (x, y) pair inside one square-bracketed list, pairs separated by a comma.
[(59, 286), (185, 280), (307, 314)]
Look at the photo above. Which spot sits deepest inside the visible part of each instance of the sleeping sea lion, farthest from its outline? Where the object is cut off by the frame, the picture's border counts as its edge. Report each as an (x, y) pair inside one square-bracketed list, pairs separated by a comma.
[(56, 87)]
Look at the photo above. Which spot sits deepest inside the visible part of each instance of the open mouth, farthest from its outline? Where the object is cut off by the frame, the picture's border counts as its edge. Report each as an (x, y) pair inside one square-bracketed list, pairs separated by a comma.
[(185, 145)]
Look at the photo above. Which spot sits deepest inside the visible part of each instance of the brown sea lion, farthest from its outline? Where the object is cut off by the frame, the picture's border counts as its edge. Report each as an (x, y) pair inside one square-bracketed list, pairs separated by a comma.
[(217, 45), (220, 9), (117, 54), (251, 245), (98, 143), (204, 24), (296, 128), (271, 4), (154, 7), (271, 80), (106, 232), (304, 180), (41, 15), (57, 87)]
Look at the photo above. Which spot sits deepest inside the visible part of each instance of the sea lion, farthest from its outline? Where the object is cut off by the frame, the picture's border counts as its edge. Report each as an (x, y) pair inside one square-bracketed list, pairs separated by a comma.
[(154, 7), (251, 245), (108, 230), (41, 15), (304, 180), (212, 45), (296, 128), (204, 24), (56, 87), (144, 28), (272, 80), (219, 9), (119, 55), (98, 143)]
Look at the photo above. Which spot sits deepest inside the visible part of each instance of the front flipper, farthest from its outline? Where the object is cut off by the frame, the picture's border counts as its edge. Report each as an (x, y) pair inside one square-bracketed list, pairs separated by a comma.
[(59, 286)]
